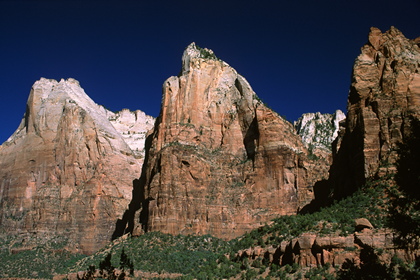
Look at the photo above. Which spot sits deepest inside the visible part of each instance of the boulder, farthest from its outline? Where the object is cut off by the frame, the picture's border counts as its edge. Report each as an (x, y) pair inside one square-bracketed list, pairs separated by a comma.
[(362, 223)]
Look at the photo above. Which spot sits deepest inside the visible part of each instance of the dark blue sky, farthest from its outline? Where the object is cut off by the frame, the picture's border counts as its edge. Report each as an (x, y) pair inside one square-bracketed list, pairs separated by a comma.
[(297, 55)]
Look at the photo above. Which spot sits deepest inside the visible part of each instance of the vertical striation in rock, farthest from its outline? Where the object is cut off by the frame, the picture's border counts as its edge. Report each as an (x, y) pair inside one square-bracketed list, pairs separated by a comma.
[(66, 171), (384, 93), (220, 162)]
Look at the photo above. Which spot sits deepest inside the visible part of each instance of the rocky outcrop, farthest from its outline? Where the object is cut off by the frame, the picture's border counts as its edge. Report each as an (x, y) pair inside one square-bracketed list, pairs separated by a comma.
[(66, 171), (133, 126), (318, 131), (314, 250), (384, 93), (220, 162)]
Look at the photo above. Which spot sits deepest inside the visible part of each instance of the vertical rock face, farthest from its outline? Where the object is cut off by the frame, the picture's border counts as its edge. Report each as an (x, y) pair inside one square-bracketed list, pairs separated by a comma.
[(219, 162), (66, 171), (318, 132), (385, 91)]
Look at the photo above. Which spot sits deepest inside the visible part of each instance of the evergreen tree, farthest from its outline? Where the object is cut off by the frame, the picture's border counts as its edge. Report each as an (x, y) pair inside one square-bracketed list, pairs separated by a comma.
[(126, 262)]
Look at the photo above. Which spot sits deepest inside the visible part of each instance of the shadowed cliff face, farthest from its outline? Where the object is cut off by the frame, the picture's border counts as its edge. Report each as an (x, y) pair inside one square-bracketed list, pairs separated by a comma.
[(384, 93), (65, 171), (219, 162)]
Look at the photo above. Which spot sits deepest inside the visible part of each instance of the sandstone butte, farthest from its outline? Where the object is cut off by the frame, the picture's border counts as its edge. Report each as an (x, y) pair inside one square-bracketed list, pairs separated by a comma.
[(218, 160), (67, 171), (384, 94)]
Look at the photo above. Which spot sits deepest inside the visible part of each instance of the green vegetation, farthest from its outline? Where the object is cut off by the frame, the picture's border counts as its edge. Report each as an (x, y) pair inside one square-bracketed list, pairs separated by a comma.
[(367, 203), (158, 252), (32, 263), (206, 53), (206, 257)]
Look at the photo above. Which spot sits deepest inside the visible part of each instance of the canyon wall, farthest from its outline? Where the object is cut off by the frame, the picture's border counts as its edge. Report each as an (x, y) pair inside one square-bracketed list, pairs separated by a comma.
[(384, 95)]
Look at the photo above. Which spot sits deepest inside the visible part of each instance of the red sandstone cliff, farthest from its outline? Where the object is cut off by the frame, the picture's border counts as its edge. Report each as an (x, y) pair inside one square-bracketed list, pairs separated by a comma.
[(384, 93), (220, 162), (66, 171)]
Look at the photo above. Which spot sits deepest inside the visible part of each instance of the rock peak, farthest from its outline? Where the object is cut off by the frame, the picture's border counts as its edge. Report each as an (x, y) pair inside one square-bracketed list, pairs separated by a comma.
[(65, 167), (219, 161), (318, 130), (194, 51), (194, 55)]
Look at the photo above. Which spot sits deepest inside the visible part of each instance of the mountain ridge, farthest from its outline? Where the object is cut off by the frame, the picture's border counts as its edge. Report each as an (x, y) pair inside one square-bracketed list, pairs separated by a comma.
[(219, 162)]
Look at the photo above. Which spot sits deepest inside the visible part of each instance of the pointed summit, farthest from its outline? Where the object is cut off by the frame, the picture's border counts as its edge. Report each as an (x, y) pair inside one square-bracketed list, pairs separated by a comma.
[(47, 100), (193, 54), (66, 171), (195, 51), (219, 162)]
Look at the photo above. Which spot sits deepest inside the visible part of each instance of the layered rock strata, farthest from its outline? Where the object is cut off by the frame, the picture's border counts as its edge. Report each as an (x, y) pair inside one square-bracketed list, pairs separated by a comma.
[(66, 171), (384, 94), (314, 250), (220, 162)]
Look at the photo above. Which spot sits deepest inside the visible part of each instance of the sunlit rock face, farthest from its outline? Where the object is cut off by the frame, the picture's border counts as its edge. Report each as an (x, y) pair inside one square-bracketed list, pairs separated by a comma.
[(384, 93), (133, 127), (318, 131), (220, 162), (66, 171)]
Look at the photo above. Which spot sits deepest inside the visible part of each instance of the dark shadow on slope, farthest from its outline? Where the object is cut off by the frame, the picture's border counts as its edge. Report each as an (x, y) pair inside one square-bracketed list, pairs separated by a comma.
[(288, 255), (126, 223), (347, 172), (405, 197), (370, 267), (27, 112), (138, 201), (322, 191), (250, 139)]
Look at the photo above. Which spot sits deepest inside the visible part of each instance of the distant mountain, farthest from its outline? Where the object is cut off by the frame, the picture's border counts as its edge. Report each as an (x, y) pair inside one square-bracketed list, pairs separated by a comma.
[(133, 127), (318, 131), (67, 171)]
